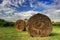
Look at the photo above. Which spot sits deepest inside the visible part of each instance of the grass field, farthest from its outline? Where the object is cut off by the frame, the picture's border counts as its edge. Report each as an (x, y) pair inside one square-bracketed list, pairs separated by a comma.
[(10, 33)]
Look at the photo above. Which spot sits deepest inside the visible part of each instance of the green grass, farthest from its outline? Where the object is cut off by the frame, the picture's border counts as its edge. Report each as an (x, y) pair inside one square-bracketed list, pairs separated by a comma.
[(10, 33)]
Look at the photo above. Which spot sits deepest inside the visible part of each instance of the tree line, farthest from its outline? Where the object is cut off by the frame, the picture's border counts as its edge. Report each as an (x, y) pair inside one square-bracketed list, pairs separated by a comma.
[(4, 23)]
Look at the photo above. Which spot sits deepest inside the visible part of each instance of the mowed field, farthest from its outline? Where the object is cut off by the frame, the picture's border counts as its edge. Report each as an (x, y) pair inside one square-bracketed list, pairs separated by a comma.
[(10, 33)]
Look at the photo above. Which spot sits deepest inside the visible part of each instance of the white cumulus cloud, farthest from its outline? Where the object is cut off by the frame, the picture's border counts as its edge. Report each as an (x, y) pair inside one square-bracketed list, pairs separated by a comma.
[(51, 10)]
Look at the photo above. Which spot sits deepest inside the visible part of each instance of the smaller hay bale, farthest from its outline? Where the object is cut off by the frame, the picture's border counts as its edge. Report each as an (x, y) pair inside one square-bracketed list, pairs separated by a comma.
[(26, 24), (20, 25), (39, 25)]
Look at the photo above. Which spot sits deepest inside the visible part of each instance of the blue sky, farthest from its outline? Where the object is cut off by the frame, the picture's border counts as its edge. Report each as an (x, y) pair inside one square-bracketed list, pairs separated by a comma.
[(13, 10), (27, 7)]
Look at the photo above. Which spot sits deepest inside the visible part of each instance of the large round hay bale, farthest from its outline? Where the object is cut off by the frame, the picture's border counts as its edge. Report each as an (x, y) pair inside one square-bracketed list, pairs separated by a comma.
[(39, 25), (20, 25)]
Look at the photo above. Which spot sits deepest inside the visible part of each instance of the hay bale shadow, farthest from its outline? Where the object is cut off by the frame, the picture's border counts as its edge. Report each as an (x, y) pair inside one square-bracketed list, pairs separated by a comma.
[(54, 34)]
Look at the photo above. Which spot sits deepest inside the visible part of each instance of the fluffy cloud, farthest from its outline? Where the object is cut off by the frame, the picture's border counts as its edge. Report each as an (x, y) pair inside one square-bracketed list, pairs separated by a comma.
[(52, 10)]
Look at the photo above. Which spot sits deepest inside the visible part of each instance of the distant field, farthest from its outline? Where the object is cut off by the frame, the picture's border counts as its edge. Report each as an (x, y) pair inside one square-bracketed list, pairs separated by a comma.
[(10, 33)]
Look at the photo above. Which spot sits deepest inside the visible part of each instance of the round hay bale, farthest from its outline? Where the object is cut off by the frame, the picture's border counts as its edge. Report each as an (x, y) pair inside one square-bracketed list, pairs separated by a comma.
[(20, 25), (39, 25), (27, 26)]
